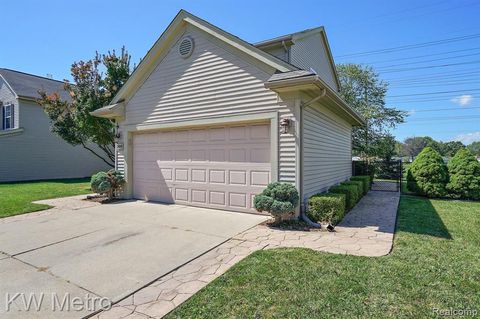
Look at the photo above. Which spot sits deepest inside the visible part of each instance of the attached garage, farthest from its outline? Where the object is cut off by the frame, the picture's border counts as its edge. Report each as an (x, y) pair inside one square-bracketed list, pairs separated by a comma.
[(217, 167), (207, 119)]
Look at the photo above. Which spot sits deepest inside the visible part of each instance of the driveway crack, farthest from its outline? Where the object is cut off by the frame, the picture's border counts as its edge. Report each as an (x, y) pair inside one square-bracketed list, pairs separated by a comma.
[(54, 243)]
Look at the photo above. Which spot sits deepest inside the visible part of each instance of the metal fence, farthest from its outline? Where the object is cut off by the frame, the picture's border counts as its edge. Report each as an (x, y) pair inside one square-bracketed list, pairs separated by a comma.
[(387, 175)]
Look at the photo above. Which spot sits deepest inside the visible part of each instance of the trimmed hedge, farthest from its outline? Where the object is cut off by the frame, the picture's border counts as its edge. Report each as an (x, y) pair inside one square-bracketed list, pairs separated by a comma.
[(327, 208), (428, 175), (464, 170), (278, 199), (366, 180), (359, 184), (351, 192)]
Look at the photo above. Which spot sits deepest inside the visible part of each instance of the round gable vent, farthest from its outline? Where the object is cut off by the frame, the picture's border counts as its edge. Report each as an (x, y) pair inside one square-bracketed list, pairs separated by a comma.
[(186, 47)]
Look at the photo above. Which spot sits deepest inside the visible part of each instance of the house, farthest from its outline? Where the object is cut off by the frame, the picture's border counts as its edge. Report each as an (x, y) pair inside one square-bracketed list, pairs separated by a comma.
[(28, 150), (208, 119)]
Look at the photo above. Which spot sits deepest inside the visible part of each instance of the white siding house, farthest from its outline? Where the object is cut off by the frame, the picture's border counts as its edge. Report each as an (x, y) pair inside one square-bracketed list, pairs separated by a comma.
[(203, 120), (28, 150)]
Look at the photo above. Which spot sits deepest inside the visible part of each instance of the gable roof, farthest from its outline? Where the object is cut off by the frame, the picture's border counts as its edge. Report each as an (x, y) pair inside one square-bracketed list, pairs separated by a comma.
[(181, 19), (303, 33), (27, 85)]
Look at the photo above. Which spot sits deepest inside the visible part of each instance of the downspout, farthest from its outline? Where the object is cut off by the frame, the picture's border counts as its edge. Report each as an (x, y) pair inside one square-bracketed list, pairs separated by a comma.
[(304, 216)]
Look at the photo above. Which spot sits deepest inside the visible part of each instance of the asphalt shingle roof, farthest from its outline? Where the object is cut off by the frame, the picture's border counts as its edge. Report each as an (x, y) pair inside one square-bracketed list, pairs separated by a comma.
[(28, 85), (289, 75)]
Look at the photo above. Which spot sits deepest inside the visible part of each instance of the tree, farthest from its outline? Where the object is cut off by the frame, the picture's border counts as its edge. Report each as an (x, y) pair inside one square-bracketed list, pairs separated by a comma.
[(385, 147), (412, 146), (449, 149), (428, 175), (96, 81), (464, 170), (474, 148), (362, 89)]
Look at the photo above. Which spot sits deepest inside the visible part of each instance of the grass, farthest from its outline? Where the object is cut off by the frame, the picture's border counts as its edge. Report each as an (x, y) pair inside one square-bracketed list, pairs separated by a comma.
[(16, 198), (435, 263)]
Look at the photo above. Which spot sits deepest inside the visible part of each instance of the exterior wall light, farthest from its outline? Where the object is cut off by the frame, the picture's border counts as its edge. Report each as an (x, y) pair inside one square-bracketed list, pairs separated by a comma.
[(284, 125)]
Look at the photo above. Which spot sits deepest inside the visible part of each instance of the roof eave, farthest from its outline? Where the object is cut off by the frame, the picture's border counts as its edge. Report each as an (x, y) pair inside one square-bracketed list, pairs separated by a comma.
[(316, 84), (113, 111)]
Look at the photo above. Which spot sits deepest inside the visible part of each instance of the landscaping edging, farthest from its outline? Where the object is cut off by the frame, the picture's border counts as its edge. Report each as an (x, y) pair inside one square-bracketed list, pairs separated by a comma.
[(70, 202)]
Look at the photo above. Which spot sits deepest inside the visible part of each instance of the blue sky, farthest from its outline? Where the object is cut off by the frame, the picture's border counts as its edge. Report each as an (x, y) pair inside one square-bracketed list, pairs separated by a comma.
[(438, 83)]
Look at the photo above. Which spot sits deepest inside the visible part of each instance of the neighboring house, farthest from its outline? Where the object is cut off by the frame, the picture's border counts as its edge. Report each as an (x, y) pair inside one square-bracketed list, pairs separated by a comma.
[(28, 150), (209, 120)]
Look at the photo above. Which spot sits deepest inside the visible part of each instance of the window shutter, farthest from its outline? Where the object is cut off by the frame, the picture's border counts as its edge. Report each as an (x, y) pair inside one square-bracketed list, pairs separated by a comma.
[(3, 117), (12, 111)]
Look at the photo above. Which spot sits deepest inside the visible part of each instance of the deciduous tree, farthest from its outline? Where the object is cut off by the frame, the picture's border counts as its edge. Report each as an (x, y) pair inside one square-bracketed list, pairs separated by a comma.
[(363, 90), (95, 82)]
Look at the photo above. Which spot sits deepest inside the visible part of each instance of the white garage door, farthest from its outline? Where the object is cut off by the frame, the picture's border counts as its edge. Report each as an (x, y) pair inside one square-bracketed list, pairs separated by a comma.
[(216, 167)]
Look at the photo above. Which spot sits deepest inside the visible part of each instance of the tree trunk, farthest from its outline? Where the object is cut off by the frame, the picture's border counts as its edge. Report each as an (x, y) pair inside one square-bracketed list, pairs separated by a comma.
[(97, 155)]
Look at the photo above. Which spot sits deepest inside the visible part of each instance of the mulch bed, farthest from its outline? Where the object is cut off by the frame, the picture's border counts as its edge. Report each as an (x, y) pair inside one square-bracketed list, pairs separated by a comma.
[(297, 225), (100, 199)]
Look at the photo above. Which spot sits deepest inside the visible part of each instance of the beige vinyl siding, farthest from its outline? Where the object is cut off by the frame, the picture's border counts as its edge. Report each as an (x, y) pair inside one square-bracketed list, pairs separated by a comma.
[(36, 153), (214, 82), (120, 160), (326, 150), (279, 52), (310, 52)]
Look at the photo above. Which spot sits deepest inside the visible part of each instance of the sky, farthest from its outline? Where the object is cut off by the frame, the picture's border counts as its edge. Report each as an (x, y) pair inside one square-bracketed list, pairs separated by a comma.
[(428, 51)]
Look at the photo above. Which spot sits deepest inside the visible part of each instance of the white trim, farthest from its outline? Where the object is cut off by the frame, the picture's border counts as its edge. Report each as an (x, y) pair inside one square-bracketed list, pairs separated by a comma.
[(129, 130), (10, 87), (202, 122), (11, 117), (10, 132)]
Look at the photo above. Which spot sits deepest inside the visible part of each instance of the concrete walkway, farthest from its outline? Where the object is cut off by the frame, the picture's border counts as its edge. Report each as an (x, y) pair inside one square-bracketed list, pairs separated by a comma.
[(367, 230)]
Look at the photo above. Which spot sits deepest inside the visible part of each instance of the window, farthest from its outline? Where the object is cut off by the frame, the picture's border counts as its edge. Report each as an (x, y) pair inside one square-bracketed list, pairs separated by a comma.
[(8, 119)]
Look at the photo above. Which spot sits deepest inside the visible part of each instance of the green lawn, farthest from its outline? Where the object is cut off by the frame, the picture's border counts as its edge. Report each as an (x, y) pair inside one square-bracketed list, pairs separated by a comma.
[(435, 264), (16, 198)]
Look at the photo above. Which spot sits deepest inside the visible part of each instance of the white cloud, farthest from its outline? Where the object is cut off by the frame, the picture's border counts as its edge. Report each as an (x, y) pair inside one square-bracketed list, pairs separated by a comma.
[(468, 138), (463, 100), (412, 112)]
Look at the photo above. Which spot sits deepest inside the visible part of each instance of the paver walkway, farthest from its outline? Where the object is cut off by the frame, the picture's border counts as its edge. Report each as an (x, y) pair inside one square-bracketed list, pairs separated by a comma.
[(367, 230)]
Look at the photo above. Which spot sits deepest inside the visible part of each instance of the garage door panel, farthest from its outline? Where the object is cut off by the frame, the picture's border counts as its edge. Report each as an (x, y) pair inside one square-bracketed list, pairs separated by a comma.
[(199, 175), (259, 178), (199, 196), (238, 177), (222, 167), (217, 155)]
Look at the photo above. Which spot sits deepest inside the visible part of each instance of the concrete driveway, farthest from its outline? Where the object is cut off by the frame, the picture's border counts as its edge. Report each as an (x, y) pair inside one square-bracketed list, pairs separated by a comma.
[(105, 251)]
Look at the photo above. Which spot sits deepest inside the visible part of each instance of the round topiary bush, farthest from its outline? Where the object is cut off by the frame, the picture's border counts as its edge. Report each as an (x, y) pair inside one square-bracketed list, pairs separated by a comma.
[(428, 175), (464, 170), (107, 183), (278, 199)]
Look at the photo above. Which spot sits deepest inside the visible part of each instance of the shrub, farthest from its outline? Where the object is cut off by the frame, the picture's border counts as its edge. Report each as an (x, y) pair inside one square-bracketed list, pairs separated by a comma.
[(278, 199), (464, 170), (359, 184), (108, 183), (366, 180), (350, 191), (326, 208), (428, 175)]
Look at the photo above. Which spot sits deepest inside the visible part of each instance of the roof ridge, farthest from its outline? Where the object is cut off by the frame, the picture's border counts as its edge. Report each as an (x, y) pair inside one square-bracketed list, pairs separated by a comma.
[(287, 35), (29, 74)]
